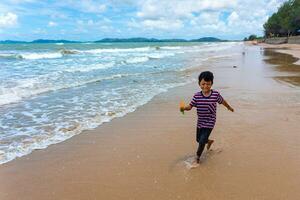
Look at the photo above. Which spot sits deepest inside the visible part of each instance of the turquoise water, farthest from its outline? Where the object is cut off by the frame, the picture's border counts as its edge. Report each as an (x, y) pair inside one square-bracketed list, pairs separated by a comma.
[(51, 92)]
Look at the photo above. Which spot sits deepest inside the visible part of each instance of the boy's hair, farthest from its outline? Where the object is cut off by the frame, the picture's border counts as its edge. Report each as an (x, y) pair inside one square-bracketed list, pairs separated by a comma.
[(207, 76)]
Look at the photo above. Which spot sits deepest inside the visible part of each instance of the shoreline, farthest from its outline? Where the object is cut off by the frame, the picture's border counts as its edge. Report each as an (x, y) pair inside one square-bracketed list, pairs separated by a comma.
[(142, 155)]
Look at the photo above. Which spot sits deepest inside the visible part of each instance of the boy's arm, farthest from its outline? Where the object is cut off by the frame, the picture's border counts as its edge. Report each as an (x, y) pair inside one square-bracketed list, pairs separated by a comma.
[(189, 107), (227, 106)]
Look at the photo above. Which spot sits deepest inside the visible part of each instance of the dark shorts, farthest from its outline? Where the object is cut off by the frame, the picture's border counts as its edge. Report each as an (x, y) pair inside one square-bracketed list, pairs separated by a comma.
[(203, 134)]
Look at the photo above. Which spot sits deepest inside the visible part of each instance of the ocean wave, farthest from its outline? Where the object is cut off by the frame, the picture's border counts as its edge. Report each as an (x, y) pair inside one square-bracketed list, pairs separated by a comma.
[(92, 67), (33, 86), (171, 47), (147, 57), (35, 56), (117, 50), (137, 60), (66, 51), (41, 137), (208, 48), (159, 55), (10, 56), (31, 56)]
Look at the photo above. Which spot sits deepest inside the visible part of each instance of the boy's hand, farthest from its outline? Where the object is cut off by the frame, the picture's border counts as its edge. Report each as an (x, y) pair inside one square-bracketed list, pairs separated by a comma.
[(231, 109), (181, 109)]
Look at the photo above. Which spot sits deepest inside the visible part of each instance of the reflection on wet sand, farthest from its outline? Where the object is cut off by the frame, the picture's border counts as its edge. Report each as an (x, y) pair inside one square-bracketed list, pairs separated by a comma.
[(284, 63)]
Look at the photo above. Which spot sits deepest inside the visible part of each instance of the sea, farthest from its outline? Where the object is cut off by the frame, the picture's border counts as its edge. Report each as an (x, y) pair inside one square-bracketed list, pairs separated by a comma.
[(51, 92)]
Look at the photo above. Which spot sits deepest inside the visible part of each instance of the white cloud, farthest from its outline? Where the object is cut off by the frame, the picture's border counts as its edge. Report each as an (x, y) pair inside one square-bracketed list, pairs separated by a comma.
[(233, 18), (273, 5), (155, 24), (90, 22), (39, 31), (94, 8), (206, 18), (162, 24), (218, 27), (87, 6), (86, 26), (22, 1), (179, 8), (55, 15), (8, 20), (51, 24), (173, 15)]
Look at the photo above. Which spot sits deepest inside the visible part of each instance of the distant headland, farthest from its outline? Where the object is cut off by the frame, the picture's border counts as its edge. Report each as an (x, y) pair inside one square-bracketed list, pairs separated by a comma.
[(111, 40)]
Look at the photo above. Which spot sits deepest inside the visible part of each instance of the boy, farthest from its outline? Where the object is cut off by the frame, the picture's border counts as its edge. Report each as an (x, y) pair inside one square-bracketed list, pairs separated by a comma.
[(206, 103)]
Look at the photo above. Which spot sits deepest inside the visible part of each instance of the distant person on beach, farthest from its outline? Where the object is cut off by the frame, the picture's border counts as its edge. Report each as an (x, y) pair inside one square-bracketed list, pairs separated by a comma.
[(206, 103)]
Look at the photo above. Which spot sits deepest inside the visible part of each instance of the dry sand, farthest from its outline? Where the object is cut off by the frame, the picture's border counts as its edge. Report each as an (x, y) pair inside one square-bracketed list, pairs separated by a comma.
[(142, 155)]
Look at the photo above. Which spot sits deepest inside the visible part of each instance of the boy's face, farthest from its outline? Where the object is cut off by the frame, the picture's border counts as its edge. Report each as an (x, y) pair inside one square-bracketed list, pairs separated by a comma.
[(205, 85)]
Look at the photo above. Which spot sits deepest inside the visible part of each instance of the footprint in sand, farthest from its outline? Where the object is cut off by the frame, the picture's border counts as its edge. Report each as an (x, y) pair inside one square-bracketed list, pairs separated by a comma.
[(214, 151), (191, 163)]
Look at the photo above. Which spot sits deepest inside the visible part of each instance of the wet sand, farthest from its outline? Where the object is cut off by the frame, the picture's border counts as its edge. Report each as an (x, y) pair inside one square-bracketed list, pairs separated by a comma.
[(142, 155), (292, 49), (287, 59)]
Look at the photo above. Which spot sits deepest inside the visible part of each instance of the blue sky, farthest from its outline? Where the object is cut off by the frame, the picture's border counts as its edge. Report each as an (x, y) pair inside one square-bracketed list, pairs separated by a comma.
[(89, 20)]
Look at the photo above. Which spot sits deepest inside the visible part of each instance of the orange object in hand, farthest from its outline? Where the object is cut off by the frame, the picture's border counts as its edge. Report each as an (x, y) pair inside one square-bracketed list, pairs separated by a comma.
[(182, 106)]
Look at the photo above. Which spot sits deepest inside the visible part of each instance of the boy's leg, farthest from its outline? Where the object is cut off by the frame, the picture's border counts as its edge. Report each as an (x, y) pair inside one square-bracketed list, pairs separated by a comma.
[(202, 139), (198, 135), (209, 142)]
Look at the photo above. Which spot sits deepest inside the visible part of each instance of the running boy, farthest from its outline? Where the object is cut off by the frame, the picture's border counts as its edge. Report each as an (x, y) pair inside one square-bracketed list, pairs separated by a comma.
[(206, 103)]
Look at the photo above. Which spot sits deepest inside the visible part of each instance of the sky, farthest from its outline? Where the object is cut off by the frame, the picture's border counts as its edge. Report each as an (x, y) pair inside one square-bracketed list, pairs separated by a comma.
[(90, 20)]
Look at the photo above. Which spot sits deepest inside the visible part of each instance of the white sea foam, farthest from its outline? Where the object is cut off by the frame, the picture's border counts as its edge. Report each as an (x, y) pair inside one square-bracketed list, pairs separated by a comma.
[(10, 56), (34, 56), (171, 47), (31, 56), (30, 87), (117, 50), (160, 55), (137, 59), (91, 67), (23, 144), (149, 56)]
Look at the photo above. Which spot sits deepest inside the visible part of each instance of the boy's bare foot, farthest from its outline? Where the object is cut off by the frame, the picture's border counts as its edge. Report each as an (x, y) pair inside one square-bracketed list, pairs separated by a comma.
[(209, 143), (198, 160)]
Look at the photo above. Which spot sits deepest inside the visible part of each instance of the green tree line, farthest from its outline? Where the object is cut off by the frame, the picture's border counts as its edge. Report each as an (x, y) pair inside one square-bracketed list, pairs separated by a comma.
[(285, 22)]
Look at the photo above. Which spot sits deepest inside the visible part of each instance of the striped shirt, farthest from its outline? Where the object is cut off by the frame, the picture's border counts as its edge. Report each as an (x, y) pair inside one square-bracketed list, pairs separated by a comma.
[(206, 108)]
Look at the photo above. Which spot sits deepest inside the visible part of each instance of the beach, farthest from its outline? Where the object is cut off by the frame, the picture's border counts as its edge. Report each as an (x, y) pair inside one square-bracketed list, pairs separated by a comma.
[(143, 155)]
